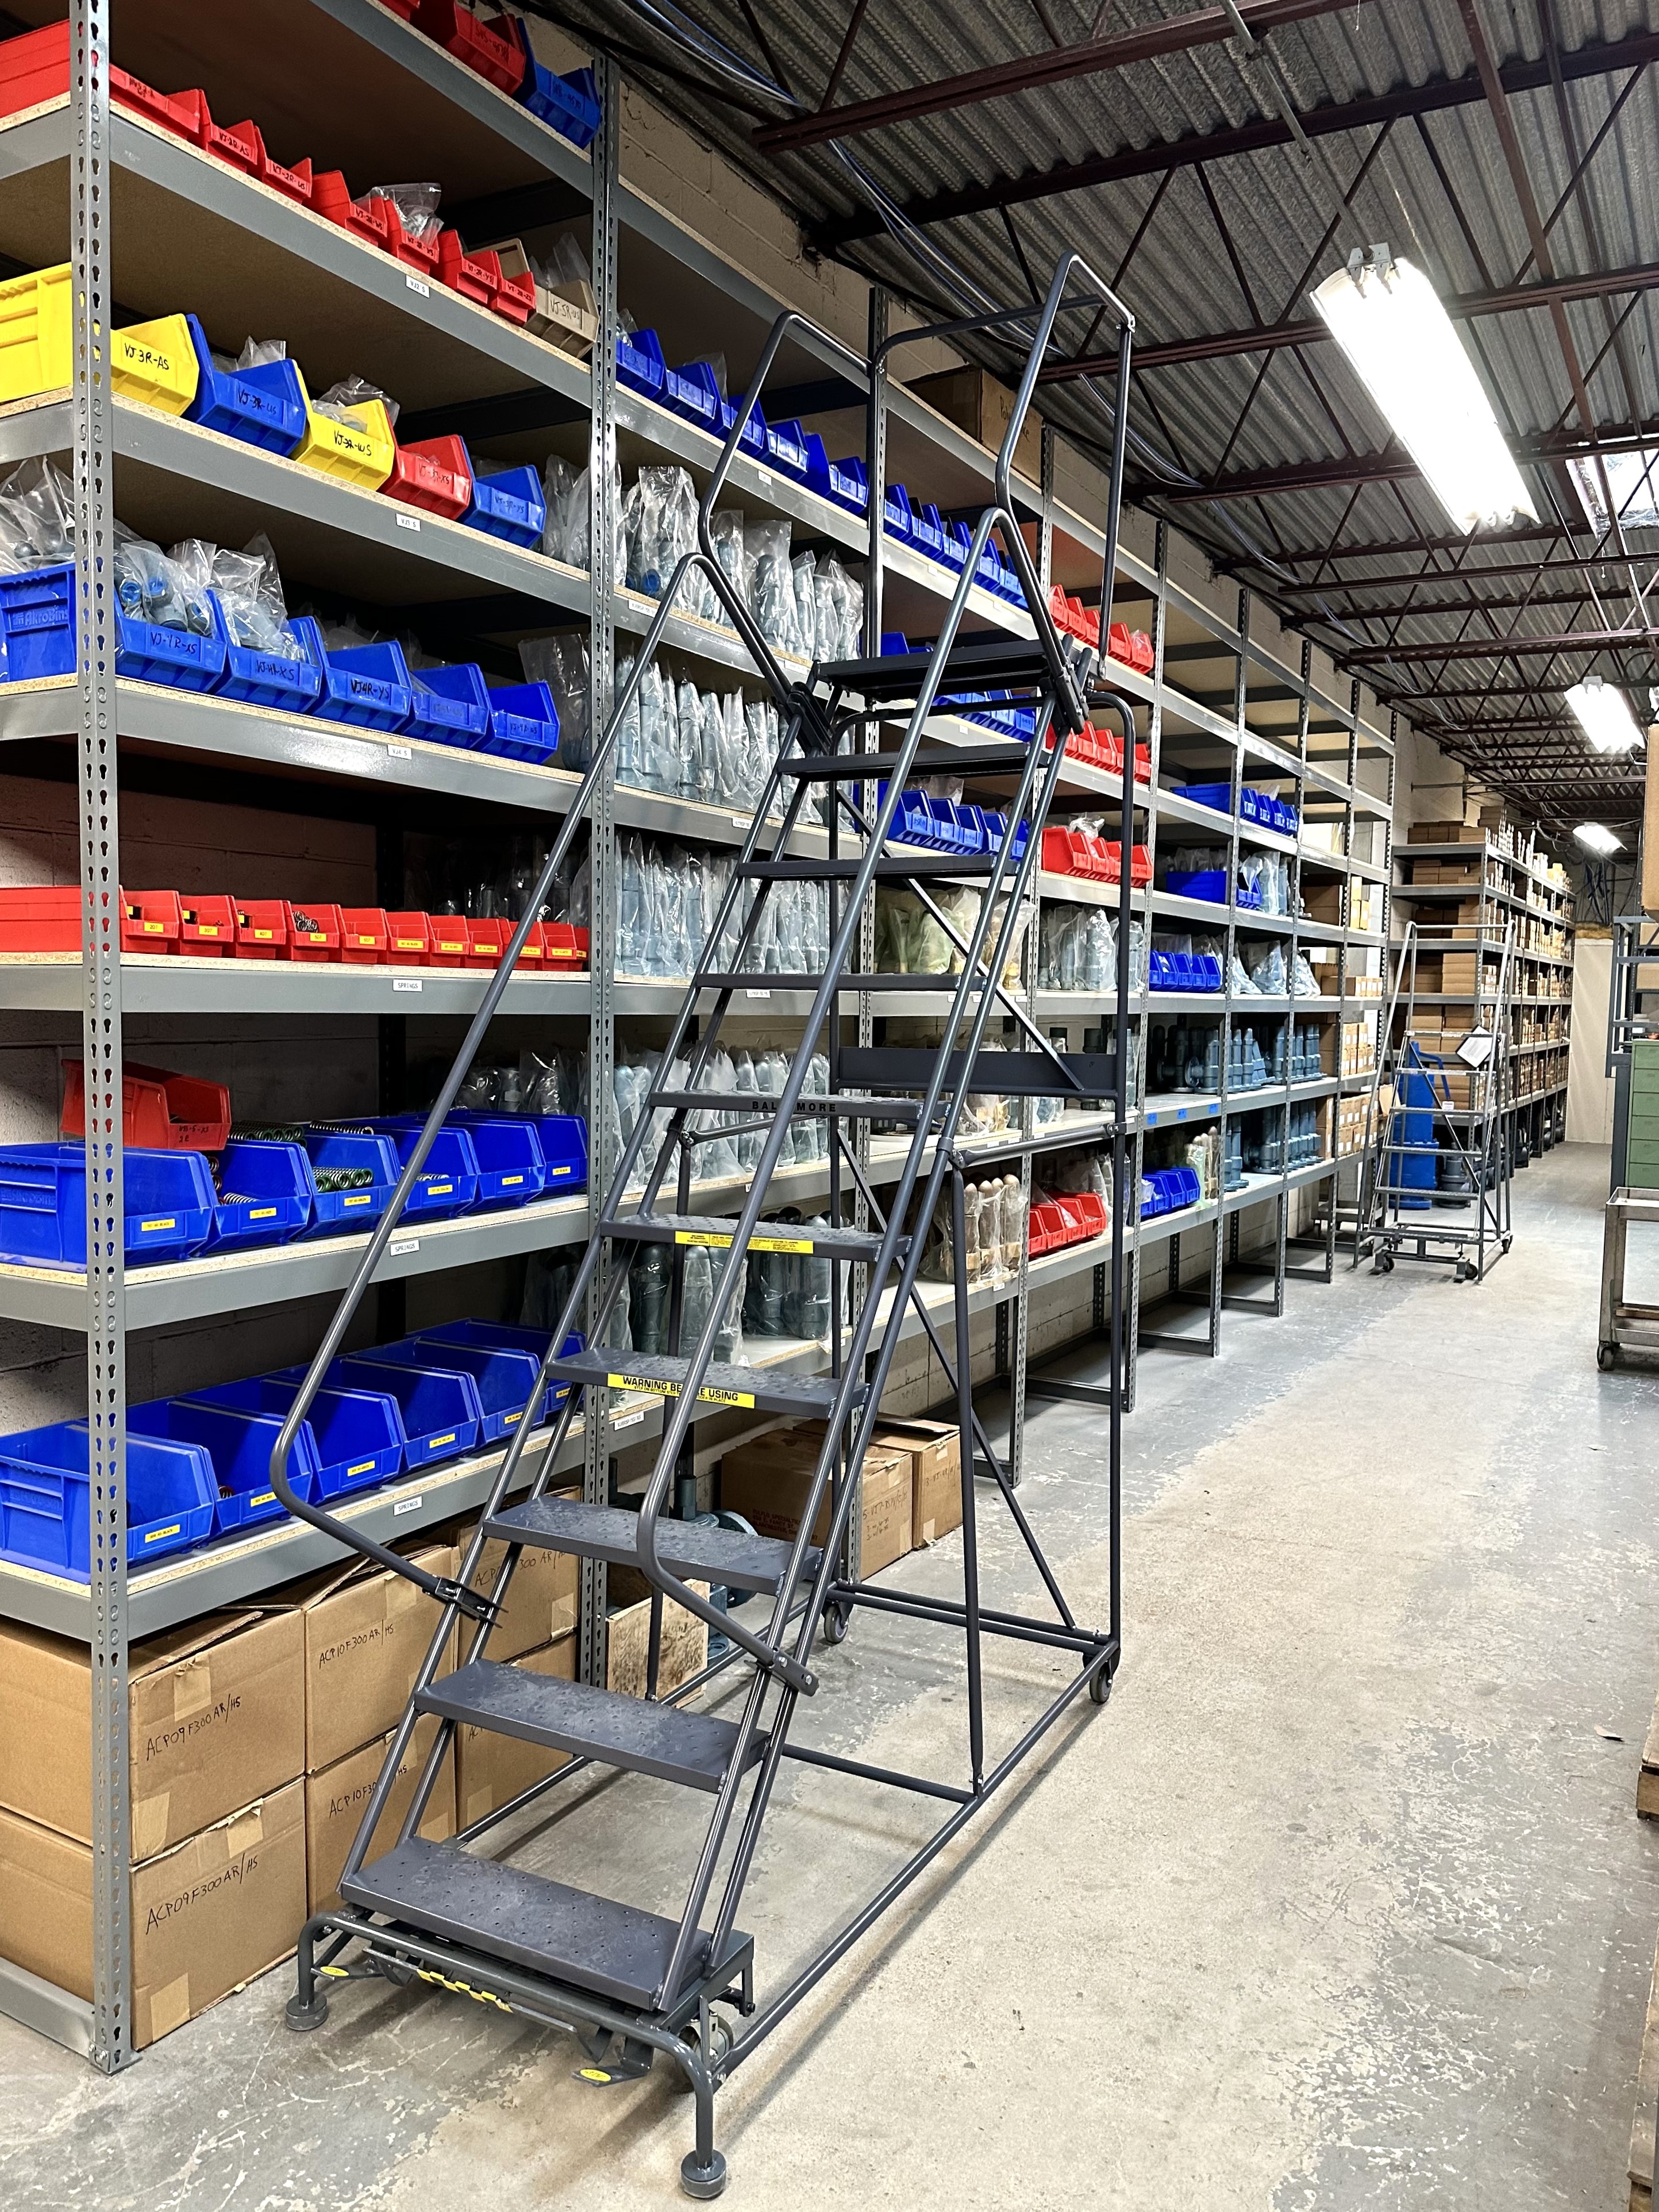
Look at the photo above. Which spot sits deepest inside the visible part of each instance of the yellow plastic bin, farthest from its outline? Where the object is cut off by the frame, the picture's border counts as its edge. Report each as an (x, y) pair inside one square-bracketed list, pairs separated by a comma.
[(153, 363), (360, 451)]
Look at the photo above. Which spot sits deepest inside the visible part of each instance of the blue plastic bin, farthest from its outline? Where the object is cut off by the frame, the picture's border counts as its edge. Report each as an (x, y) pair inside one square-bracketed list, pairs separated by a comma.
[(238, 1442), (292, 682), (448, 1183), (1216, 795), (897, 516), (690, 390), (441, 1413), (640, 364), (367, 685), (505, 1377), (524, 723), (356, 1436), (43, 1205), (955, 540), (508, 504), (571, 104), (506, 1336), (564, 1151), (450, 705), (45, 1487), (155, 652), (786, 449), (262, 406), (752, 441), (344, 1213), (1209, 883), (1287, 820), (270, 1190), (843, 481), (510, 1168), (37, 624)]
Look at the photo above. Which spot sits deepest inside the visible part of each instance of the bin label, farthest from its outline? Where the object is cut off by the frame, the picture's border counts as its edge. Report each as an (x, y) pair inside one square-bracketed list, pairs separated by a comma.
[(509, 1182), (263, 1213), (407, 1505), (405, 983), (438, 1443), (359, 1197), (558, 1171), (401, 1247), (422, 291), (440, 1190), (207, 929), (266, 1498), (155, 1536), (147, 1226), (363, 1466), (409, 521)]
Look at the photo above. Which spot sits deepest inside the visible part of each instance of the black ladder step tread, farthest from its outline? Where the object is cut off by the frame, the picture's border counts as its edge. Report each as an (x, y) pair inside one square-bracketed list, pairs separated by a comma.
[(763, 1388), (687, 1548), (1006, 1074), (854, 1108), (504, 1912), (636, 1732), (1007, 759), (994, 666), (882, 982), (717, 1231), (887, 872)]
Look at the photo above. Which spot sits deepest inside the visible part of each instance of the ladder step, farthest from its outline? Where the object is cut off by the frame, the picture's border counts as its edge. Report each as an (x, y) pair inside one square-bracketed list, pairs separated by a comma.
[(884, 981), (995, 666), (851, 1107), (712, 1230), (503, 1912), (803, 1396), (929, 760), (887, 872), (636, 1732), (691, 1549), (1009, 1074)]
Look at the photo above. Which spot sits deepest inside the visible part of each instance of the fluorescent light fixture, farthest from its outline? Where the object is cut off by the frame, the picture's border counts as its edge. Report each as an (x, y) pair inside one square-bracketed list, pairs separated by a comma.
[(1387, 319), (1596, 837), (1633, 480), (1603, 714)]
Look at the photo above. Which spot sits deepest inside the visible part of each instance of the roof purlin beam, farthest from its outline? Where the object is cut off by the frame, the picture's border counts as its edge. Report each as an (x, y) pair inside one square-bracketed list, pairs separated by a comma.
[(1428, 99), (1175, 34), (1464, 307), (1388, 467)]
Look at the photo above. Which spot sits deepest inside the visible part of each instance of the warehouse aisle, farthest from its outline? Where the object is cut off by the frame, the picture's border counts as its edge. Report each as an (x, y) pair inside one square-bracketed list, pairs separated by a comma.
[(1342, 1902)]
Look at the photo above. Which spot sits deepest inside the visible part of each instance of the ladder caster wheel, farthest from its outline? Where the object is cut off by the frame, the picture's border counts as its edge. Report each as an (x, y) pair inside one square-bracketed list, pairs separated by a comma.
[(302, 2017), (1605, 1356), (703, 2182), (1100, 1686), (837, 1620), (1384, 1264), (721, 2040)]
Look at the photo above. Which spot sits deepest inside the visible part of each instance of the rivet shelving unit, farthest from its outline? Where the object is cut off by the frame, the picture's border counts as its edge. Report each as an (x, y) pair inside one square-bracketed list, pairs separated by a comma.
[(1509, 885), (359, 88)]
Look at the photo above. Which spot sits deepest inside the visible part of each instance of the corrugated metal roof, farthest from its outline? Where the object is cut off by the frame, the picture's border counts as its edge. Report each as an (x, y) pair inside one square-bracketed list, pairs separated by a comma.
[(1437, 189)]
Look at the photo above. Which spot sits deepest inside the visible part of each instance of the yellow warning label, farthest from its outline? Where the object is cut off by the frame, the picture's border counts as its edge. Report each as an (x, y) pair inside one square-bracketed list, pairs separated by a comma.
[(660, 1389), (720, 1241)]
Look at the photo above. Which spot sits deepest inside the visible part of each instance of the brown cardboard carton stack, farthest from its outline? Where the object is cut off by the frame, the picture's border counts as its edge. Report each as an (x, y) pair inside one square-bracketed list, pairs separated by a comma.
[(767, 1481), (217, 1754), (684, 1650), (934, 1449), (363, 1634), (491, 1769), (536, 1631), (975, 402)]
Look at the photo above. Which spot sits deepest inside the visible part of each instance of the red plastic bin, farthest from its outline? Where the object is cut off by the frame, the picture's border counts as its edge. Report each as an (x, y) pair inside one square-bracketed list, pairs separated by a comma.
[(1091, 1209), (463, 272), (563, 948), (261, 929), (486, 941), (414, 253), (494, 50), (409, 938), (315, 931), (159, 1111), (207, 928), (294, 184), (451, 941), (237, 144), (150, 922), (363, 935), (364, 219), (35, 68), (512, 296), (434, 476), (43, 920)]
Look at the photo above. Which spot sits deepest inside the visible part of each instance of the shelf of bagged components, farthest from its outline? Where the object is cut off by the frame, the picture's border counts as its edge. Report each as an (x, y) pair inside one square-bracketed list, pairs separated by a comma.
[(174, 984), (1164, 1109), (192, 235), (1217, 1002)]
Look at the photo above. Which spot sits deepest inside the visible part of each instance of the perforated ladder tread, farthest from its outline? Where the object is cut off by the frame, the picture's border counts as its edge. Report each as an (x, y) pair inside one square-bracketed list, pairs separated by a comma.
[(686, 1548), (745, 1103), (636, 1733), (928, 760), (805, 1396), (504, 1912), (994, 666), (807, 1237)]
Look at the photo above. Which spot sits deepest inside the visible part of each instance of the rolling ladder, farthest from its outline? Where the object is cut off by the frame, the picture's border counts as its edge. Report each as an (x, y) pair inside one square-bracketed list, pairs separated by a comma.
[(636, 1984)]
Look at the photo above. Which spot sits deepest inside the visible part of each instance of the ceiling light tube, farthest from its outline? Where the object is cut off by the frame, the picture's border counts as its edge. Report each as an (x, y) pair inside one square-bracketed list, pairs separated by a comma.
[(1596, 837), (1602, 713), (1388, 319)]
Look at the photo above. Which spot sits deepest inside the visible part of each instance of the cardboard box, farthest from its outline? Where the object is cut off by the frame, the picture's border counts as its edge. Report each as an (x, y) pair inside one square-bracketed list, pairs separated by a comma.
[(767, 1481), (1322, 900), (207, 1915), (366, 1631), (217, 1720), (541, 1599), (935, 1455), (491, 1769), (976, 402), (335, 1800), (565, 315), (628, 1641), (1438, 833)]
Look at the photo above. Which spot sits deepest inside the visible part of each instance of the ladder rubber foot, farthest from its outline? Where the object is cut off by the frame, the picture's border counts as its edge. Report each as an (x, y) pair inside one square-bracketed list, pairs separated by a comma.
[(302, 2017), (700, 2181)]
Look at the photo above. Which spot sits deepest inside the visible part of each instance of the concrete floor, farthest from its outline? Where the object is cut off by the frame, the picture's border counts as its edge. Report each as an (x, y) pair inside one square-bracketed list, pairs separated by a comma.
[(1341, 1902)]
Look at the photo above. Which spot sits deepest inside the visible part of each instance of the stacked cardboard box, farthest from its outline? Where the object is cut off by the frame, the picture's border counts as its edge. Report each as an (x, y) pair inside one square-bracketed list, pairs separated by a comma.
[(217, 1729), (768, 1481), (934, 1449), (536, 1631)]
